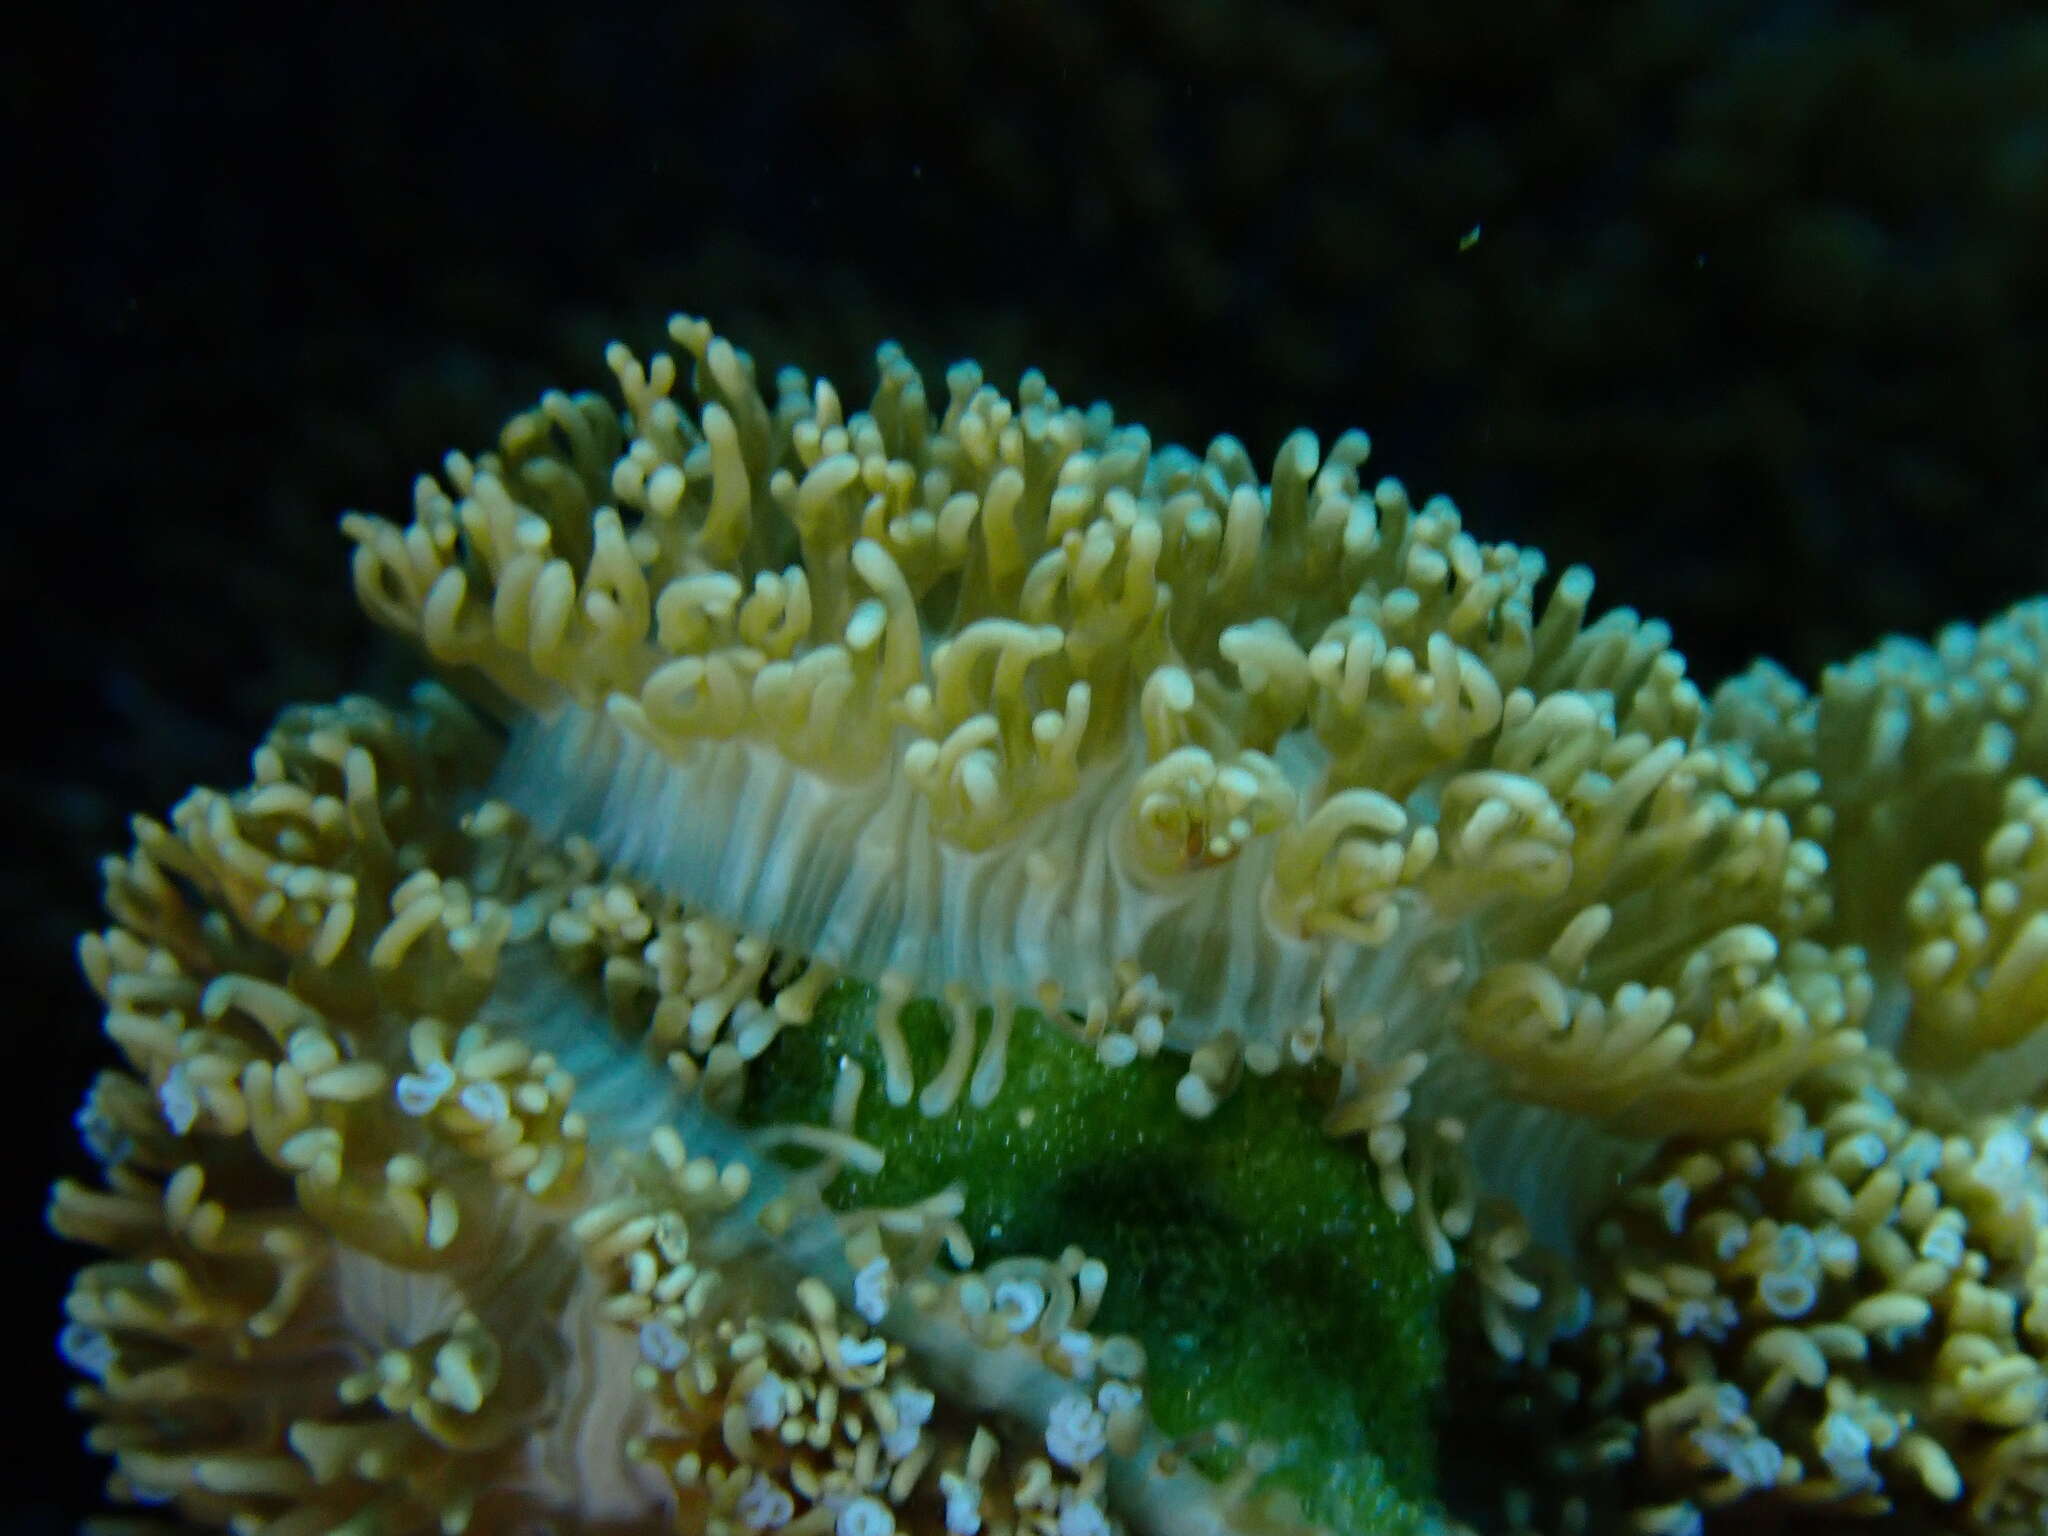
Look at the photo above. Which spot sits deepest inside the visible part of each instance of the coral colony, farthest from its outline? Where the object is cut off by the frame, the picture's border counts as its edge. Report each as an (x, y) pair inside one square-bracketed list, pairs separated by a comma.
[(515, 1079)]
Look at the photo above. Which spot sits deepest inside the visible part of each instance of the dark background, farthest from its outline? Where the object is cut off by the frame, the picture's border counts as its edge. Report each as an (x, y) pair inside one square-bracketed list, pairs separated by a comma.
[(1753, 323)]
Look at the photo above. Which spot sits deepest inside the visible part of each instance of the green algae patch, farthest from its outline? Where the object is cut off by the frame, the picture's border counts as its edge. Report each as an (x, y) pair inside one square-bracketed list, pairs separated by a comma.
[(1251, 1256)]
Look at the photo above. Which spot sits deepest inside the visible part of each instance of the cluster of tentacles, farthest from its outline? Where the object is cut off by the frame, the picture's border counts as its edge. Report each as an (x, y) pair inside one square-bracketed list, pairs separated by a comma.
[(432, 1197)]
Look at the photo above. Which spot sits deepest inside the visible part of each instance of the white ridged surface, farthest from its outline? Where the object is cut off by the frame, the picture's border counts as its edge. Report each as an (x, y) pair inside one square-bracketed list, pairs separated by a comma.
[(853, 875), (575, 1462)]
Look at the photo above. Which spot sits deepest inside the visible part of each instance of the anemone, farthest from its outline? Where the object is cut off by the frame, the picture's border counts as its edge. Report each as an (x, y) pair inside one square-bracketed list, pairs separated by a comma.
[(498, 1143), (1842, 1312), (409, 1235), (994, 697)]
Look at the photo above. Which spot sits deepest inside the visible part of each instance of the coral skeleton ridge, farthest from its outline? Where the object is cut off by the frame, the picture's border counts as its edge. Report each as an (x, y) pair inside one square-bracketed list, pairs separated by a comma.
[(433, 1195)]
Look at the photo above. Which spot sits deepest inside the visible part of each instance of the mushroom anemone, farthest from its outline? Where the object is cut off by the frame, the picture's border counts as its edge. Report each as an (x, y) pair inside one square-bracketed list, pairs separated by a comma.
[(439, 1192)]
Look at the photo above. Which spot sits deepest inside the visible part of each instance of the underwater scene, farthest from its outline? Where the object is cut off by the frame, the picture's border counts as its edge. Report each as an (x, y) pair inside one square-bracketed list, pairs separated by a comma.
[(840, 774)]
